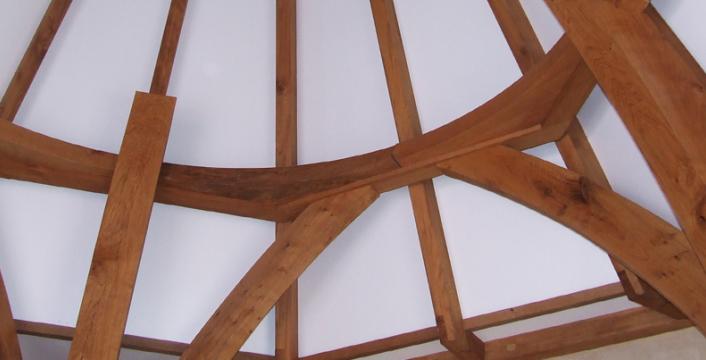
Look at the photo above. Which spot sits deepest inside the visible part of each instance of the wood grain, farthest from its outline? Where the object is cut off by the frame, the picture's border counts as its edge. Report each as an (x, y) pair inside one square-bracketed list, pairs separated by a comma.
[(121, 237), (32, 59), (578, 336), (574, 147), (447, 308), (646, 244), (658, 94), (287, 307), (167, 50), (474, 323), (283, 262), (9, 344)]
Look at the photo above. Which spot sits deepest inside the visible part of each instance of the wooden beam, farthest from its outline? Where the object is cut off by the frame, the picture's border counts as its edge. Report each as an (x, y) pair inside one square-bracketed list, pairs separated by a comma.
[(646, 244), (447, 308), (574, 147), (657, 93), (167, 50), (578, 336), (281, 264), (116, 257), (9, 344), (564, 302), (128, 341), (32, 59), (287, 307)]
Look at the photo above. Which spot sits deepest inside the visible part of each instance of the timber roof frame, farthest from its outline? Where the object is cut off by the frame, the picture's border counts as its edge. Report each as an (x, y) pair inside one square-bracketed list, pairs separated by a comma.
[(625, 46)]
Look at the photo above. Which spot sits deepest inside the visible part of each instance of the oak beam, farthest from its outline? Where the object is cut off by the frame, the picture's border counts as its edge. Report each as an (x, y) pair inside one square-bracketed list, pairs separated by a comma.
[(578, 336), (282, 263), (117, 253), (9, 343), (574, 147), (168, 48), (447, 308), (32, 59), (649, 246), (658, 94), (287, 307)]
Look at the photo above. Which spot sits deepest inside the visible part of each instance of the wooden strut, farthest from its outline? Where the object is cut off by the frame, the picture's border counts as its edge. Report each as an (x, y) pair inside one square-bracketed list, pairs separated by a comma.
[(9, 343), (447, 308), (574, 147), (116, 257), (287, 307)]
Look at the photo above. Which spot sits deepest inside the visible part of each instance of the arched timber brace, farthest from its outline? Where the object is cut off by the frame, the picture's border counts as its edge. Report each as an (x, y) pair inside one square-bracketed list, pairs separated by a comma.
[(574, 147), (447, 307), (646, 244), (659, 93), (282, 263)]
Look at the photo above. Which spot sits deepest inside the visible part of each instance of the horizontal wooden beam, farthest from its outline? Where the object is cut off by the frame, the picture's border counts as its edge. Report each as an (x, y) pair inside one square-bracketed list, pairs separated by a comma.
[(128, 341), (282, 263), (555, 89), (121, 237), (32, 59), (578, 336), (501, 317), (649, 246)]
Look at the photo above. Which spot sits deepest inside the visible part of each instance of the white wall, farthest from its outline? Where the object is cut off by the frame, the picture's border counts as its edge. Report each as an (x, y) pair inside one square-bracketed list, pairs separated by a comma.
[(370, 283)]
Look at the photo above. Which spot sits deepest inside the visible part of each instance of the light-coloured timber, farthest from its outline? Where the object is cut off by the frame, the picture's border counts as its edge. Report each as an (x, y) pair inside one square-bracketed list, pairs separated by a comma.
[(574, 147), (167, 50), (282, 263), (32, 59), (121, 237), (580, 298), (578, 336), (646, 244), (444, 296), (657, 92), (287, 307), (553, 90), (9, 344)]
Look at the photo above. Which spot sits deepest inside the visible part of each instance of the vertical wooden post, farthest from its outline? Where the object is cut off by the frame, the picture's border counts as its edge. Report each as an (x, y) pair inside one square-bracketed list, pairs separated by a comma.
[(167, 50), (9, 343), (32, 59), (447, 307), (287, 307)]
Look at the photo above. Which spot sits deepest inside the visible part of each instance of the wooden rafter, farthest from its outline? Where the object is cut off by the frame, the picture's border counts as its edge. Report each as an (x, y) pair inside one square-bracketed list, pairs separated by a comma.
[(659, 95), (282, 263), (552, 91), (287, 307), (574, 147), (578, 336), (447, 308), (9, 343), (32, 59), (116, 258), (646, 244)]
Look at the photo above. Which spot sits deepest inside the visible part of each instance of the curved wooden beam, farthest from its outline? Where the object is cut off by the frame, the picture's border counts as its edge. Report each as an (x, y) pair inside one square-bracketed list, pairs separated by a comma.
[(530, 112), (282, 263), (646, 244)]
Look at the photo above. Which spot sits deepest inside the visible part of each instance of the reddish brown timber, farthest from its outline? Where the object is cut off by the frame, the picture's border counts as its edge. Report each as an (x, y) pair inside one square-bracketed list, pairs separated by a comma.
[(447, 308), (282, 263), (117, 253), (32, 59), (574, 147), (644, 243), (287, 307), (9, 344), (584, 297), (128, 341), (578, 336), (281, 193), (167, 50), (657, 92)]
